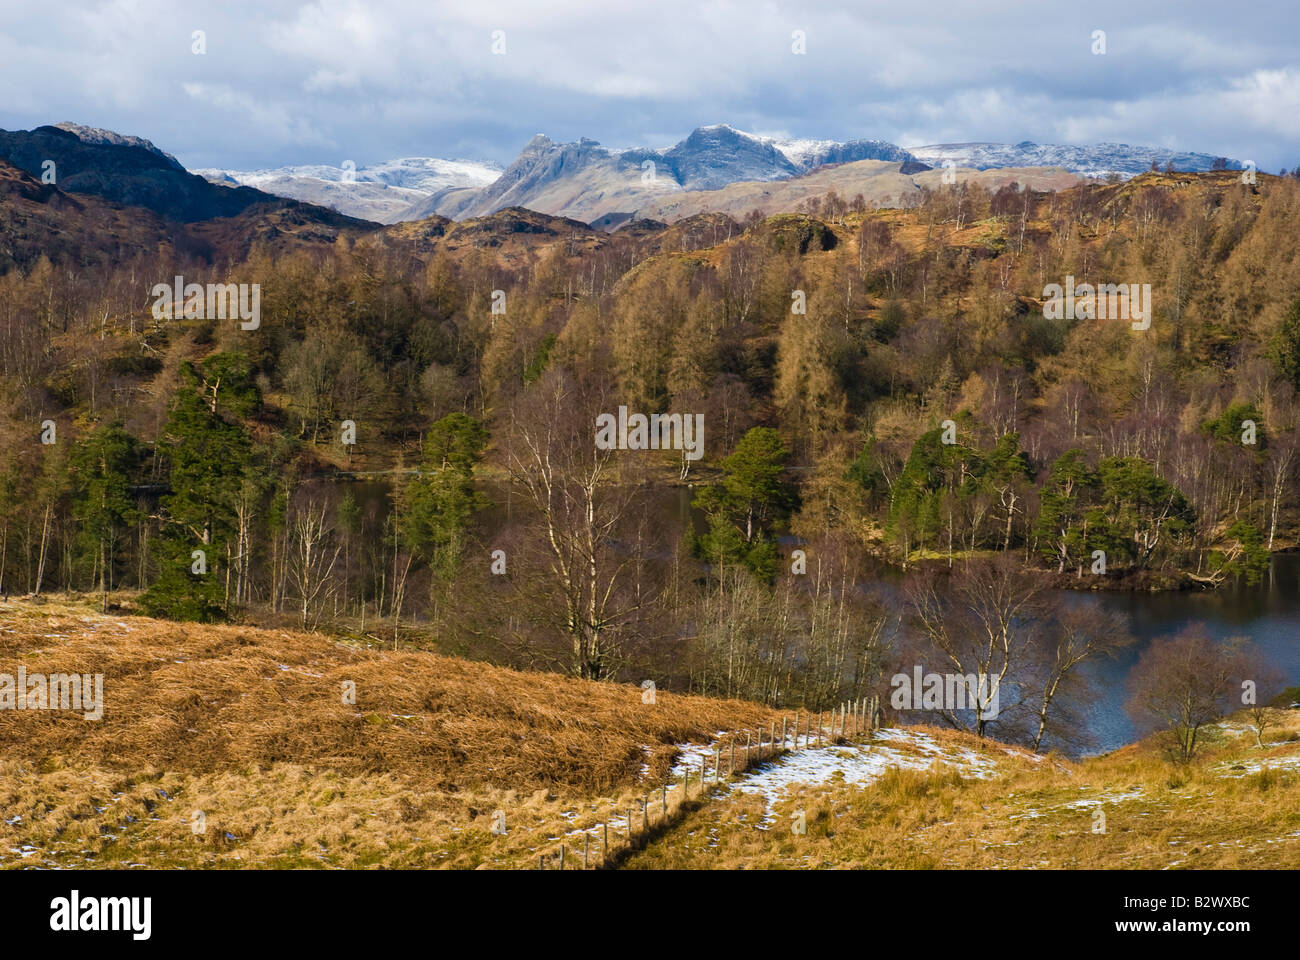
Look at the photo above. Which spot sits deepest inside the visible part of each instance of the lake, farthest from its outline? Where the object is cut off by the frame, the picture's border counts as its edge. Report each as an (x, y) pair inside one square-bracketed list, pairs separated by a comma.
[(1268, 614)]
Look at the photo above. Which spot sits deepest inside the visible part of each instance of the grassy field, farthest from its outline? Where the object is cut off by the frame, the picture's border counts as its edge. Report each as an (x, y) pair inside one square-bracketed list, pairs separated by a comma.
[(1236, 808), (230, 746)]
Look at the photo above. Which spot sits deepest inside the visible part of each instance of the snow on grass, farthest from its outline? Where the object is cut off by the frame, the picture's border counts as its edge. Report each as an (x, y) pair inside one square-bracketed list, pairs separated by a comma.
[(1235, 771), (1089, 802), (1236, 729), (691, 755), (859, 764)]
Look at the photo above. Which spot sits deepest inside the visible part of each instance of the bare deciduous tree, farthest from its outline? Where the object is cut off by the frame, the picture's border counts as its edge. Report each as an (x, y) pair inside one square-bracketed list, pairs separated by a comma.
[(313, 552), (584, 516), (1078, 634), (986, 627), (1182, 683)]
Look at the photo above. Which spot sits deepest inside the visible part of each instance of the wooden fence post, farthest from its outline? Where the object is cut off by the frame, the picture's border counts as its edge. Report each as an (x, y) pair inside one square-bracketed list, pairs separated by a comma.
[(604, 847), (586, 842), (561, 856), (819, 729), (747, 736), (645, 815), (783, 733), (773, 738), (717, 762), (731, 766)]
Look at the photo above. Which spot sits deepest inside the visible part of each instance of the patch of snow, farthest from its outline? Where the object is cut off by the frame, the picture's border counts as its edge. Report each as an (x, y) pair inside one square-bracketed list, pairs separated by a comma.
[(1290, 761), (1090, 802), (859, 764)]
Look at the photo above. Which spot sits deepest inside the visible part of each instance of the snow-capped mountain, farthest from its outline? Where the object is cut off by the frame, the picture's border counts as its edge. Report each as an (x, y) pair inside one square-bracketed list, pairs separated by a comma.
[(99, 136), (378, 192), (585, 180), (712, 157), (810, 154), (711, 153), (1097, 160)]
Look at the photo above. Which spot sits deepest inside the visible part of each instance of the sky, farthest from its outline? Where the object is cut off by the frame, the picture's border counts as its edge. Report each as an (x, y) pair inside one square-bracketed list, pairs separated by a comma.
[(333, 80)]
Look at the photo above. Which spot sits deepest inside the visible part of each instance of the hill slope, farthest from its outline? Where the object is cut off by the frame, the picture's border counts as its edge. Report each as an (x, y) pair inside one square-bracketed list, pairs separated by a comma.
[(133, 172), (245, 733)]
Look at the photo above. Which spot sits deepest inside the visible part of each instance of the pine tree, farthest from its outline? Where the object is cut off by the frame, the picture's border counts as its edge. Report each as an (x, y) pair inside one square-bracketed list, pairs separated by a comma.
[(103, 466), (209, 460), (1286, 345), (752, 503), (440, 503)]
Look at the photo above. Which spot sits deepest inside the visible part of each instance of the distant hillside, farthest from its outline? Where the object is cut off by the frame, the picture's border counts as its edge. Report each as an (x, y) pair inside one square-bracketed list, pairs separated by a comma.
[(131, 172), (41, 220), (38, 219), (881, 184)]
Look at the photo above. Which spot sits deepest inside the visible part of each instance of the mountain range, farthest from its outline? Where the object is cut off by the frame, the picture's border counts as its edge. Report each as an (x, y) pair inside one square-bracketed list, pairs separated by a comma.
[(587, 181), (716, 169)]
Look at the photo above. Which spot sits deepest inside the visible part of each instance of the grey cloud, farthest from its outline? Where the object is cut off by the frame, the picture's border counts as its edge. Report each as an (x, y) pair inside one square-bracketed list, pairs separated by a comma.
[(293, 82)]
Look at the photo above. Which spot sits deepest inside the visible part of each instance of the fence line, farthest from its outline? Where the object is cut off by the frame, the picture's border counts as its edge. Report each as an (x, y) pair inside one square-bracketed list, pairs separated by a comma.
[(855, 718)]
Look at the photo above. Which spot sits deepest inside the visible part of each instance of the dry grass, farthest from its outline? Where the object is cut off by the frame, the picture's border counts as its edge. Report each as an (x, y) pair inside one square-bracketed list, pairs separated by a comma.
[(197, 699), (249, 727), (1040, 815)]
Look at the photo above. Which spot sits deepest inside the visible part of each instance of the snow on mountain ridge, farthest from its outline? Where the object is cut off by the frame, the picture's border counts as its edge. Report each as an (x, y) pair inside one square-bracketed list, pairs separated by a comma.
[(101, 136), (1100, 159), (423, 174), (378, 192)]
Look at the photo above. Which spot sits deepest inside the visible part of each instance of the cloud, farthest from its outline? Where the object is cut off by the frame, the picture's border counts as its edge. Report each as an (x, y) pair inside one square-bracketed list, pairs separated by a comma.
[(298, 82)]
